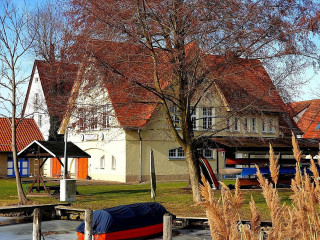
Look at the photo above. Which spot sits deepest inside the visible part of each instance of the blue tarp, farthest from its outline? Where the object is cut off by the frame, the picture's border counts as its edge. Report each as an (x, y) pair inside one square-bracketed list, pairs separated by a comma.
[(125, 217), (265, 170)]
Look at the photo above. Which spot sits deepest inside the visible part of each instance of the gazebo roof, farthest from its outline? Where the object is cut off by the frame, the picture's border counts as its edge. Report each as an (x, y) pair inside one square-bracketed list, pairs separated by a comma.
[(54, 149)]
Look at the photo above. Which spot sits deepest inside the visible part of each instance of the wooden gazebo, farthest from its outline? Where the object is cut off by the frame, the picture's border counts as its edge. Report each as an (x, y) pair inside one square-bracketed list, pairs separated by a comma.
[(45, 150)]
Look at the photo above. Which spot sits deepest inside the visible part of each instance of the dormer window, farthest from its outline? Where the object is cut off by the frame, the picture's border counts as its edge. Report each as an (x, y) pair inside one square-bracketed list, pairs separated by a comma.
[(36, 79), (318, 126)]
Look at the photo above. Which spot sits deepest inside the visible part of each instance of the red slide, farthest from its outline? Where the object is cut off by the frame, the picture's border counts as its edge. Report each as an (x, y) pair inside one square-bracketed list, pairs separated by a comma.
[(208, 172)]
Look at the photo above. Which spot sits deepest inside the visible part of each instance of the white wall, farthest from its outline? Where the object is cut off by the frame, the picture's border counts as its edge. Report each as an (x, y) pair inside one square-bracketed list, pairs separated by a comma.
[(38, 111), (108, 143)]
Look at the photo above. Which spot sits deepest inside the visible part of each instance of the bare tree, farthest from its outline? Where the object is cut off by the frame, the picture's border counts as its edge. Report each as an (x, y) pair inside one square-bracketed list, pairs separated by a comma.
[(185, 47), (13, 46)]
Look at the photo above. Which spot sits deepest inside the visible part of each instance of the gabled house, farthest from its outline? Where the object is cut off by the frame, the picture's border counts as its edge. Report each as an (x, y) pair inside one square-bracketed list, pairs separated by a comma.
[(117, 122), (307, 116), (48, 91), (27, 132)]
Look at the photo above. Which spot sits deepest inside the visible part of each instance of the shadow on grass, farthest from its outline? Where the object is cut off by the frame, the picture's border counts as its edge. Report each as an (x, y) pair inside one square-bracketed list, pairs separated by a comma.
[(123, 192)]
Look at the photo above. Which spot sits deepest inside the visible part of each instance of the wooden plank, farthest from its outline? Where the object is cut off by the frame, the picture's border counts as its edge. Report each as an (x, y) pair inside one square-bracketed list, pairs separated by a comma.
[(36, 224), (88, 224), (10, 209), (167, 226)]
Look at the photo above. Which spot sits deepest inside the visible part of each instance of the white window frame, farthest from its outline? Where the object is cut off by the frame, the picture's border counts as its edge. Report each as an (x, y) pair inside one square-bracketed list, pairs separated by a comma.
[(207, 118), (204, 152), (264, 125), (40, 120), (113, 163), (106, 116), (176, 153), (236, 124), (246, 124), (194, 118), (175, 116), (102, 162), (82, 119), (253, 124), (93, 119), (228, 127), (271, 125)]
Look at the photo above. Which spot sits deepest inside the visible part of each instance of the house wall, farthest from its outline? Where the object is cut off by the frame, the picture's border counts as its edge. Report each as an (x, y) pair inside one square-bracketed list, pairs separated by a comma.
[(105, 145), (36, 106), (103, 152)]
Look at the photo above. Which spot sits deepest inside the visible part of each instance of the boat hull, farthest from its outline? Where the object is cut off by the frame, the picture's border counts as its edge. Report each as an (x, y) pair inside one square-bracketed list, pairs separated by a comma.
[(137, 233)]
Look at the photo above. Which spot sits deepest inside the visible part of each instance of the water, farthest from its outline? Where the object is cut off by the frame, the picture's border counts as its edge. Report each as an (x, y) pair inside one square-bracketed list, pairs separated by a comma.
[(53, 230), (64, 230)]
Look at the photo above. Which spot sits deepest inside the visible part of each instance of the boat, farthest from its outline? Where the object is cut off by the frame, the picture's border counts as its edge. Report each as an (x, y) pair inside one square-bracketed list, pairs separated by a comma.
[(208, 172), (133, 221)]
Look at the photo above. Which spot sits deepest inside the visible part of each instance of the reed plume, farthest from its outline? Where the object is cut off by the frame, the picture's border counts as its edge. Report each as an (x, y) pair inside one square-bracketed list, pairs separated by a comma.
[(274, 166)]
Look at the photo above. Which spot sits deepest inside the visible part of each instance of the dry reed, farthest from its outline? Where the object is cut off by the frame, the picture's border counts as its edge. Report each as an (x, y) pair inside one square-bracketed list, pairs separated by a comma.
[(300, 220)]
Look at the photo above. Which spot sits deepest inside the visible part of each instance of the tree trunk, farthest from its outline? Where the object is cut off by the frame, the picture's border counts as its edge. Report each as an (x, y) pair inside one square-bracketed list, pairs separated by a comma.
[(21, 195), (194, 173)]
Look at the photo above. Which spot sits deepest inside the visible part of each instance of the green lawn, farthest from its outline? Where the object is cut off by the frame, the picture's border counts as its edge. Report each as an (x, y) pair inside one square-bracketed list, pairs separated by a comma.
[(174, 196)]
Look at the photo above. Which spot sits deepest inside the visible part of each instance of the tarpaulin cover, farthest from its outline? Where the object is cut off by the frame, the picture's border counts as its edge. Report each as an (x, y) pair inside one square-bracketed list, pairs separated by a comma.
[(125, 217), (287, 170)]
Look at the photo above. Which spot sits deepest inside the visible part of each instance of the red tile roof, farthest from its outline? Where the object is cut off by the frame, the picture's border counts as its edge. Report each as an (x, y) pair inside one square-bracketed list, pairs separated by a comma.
[(309, 113), (27, 132), (246, 85), (56, 80), (243, 83)]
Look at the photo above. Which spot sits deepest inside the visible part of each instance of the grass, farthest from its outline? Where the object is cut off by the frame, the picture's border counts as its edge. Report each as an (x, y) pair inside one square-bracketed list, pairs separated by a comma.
[(173, 195)]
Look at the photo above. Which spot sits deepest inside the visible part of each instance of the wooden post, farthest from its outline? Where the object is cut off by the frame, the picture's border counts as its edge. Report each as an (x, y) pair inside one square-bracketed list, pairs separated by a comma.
[(167, 226), (88, 224), (36, 224)]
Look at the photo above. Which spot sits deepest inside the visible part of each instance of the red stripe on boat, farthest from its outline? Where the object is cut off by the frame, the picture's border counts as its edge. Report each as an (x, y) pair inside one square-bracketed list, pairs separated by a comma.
[(127, 234)]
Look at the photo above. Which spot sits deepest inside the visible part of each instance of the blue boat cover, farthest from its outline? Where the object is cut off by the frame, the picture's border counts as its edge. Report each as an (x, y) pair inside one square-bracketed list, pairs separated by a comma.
[(125, 217), (265, 170)]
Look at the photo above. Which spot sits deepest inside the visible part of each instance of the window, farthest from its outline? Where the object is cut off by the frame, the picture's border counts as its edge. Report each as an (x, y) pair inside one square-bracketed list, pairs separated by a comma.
[(236, 124), (82, 119), (318, 126), (113, 163), (174, 115), (176, 153), (253, 125), (207, 118), (194, 118), (271, 126), (228, 124), (102, 162), (40, 121), (206, 152), (36, 79), (94, 119), (106, 117), (264, 125), (36, 102), (246, 124)]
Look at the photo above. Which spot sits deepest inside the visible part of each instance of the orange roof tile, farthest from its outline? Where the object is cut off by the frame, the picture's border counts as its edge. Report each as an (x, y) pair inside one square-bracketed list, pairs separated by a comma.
[(57, 81), (308, 122), (27, 132)]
